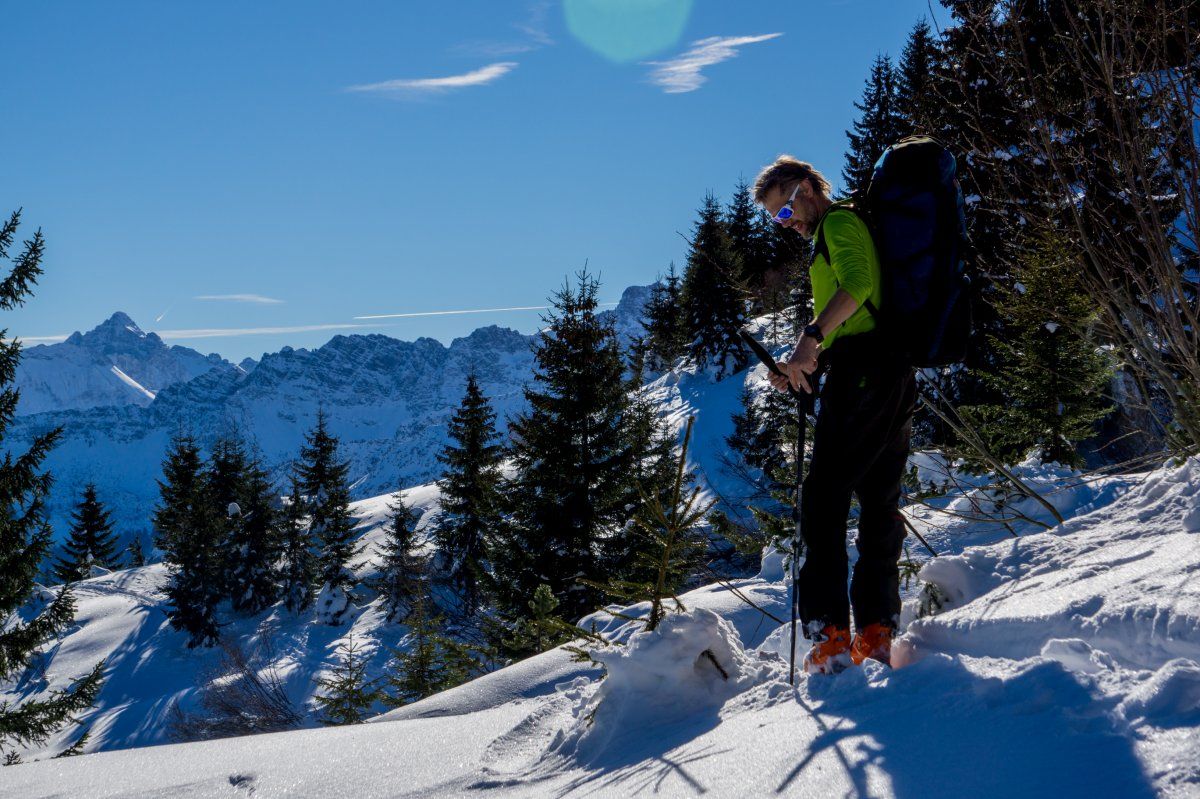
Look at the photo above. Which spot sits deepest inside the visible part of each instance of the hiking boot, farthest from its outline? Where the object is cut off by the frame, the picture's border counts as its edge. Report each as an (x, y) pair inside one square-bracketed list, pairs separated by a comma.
[(830, 651), (874, 642)]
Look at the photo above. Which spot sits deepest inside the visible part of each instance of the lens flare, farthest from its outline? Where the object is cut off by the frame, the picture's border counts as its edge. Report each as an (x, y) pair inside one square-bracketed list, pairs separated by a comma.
[(627, 30)]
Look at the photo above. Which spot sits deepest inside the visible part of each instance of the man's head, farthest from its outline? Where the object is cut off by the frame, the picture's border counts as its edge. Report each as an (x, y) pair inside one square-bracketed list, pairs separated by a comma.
[(776, 183)]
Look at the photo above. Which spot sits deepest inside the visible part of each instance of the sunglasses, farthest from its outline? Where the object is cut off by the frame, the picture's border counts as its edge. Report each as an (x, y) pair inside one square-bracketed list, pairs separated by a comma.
[(785, 212)]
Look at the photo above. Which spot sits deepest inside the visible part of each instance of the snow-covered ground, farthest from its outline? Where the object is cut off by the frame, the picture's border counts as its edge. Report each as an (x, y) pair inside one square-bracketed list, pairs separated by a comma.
[(1062, 663)]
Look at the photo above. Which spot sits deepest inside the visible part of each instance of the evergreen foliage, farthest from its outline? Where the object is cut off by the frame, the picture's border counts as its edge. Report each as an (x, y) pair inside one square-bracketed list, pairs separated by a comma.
[(666, 331), (323, 480), (298, 570), (877, 127), (432, 662), (470, 495), (136, 552), (401, 569), (188, 532), (91, 541), (25, 538), (670, 546), (347, 696), (1052, 376), (747, 241), (541, 629), (576, 451), (916, 105), (242, 496), (711, 296)]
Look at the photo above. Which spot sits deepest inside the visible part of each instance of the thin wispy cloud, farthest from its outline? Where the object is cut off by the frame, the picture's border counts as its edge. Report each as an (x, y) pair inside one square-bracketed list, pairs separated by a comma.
[(217, 332), (422, 86), (683, 73), (455, 313), (229, 332), (256, 299), (533, 27)]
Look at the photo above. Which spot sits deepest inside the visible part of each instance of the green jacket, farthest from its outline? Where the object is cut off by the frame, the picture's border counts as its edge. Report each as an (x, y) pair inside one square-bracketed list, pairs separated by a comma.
[(852, 265)]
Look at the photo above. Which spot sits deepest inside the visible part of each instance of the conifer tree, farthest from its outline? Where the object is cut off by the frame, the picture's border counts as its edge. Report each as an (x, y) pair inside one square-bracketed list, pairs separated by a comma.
[(91, 541), (470, 490), (671, 546), (542, 629), (347, 695), (916, 105), (1052, 376), (746, 240), (575, 452), (323, 479), (242, 497), (877, 126), (136, 552), (298, 568), (401, 569), (188, 533), (25, 538), (712, 299), (666, 332), (431, 661)]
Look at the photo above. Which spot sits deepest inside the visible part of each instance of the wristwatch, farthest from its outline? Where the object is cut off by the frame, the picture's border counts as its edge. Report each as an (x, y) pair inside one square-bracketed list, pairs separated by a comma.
[(813, 331)]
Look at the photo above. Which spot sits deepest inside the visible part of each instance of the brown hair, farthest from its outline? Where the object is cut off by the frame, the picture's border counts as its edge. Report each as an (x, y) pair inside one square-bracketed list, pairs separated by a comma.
[(786, 171)]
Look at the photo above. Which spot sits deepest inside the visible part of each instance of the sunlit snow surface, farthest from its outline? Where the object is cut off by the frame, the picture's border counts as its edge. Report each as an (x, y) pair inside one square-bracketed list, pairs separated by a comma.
[(1064, 664)]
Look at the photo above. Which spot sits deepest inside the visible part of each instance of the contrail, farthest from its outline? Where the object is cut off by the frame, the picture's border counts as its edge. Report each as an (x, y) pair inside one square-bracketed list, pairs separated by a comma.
[(159, 318), (472, 310)]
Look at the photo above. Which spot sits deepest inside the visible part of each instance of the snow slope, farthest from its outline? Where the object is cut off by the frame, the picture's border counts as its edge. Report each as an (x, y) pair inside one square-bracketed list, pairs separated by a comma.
[(1064, 663)]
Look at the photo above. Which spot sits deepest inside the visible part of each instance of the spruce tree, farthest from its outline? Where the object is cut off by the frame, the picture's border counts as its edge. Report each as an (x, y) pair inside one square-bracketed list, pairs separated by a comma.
[(188, 532), (663, 319), (323, 479), (916, 105), (712, 299), (542, 629), (25, 539), (470, 495), (347, 695), (1052, 375), (429, 662), (877, 126), (671, 545), (401, 568), (91, 541), (575, 454), (136, 552), (746, 240), (298, 563), (242, 497)]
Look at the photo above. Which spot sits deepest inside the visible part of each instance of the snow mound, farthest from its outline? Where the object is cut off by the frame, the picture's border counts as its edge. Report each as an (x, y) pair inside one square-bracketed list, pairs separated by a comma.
[(690, 666), (1103, 577)]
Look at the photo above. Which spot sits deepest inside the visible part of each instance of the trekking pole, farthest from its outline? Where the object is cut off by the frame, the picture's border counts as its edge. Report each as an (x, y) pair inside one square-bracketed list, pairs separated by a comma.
[(801, 434)]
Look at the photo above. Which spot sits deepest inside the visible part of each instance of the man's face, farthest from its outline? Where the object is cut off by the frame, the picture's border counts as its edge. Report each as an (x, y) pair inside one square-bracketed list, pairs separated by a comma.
[(804, 210)]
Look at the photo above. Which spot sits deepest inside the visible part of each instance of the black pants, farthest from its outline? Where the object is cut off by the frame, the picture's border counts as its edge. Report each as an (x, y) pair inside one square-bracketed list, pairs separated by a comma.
[(860, 446)]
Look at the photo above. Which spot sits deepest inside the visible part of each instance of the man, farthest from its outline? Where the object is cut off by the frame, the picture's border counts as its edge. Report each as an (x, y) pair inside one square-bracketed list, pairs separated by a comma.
[(861, 439)]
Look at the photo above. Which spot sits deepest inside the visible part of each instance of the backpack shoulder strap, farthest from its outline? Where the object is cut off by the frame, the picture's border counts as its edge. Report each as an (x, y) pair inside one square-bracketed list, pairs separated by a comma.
[(821, 247)]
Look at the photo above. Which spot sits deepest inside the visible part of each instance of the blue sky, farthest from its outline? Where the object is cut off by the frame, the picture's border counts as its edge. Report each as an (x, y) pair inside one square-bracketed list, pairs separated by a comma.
[(240, 176)]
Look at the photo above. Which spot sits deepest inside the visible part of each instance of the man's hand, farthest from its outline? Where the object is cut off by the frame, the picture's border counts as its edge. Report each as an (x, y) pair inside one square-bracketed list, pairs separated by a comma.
[(797, 368)]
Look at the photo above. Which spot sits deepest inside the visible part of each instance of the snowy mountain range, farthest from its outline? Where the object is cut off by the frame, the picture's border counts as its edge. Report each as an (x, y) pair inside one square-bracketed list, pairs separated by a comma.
[(114, 364), (120, 393)]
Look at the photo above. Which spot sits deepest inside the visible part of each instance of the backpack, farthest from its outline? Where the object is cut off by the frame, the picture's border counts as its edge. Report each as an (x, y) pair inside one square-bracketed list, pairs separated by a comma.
[(913, 207)]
